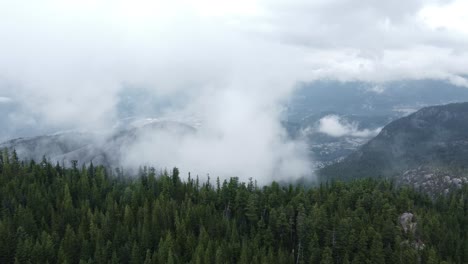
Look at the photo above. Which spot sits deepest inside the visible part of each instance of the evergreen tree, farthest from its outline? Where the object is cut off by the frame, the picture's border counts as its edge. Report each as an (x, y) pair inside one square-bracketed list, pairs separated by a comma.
[(54, 214)]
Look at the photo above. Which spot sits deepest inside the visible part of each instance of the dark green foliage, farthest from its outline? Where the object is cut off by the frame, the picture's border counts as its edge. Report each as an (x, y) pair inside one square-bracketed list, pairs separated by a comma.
[(51, 214)]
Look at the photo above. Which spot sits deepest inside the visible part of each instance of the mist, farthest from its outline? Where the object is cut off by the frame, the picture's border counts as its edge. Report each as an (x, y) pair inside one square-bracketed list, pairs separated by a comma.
[(237, 136), (336, 126), (65, 65)]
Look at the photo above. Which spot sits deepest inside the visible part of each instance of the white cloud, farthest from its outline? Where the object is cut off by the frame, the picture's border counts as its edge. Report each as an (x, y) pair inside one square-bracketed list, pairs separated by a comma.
[(378, 89), (71, 60), (236, 60), (5, 99), (452, 17), (238, 137), (76, 53), (335, 126)]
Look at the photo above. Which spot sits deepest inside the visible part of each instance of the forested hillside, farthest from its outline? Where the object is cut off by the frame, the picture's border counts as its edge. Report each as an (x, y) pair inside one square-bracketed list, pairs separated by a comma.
[(430, 144), (52, 214)]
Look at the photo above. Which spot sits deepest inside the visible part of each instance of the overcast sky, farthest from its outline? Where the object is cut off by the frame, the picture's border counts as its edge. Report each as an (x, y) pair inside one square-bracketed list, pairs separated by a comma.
[(68, 53), (64, 63)]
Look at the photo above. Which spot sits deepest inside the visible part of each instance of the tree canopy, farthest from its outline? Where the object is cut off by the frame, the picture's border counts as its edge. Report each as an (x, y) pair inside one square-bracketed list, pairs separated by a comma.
[(53, 214)]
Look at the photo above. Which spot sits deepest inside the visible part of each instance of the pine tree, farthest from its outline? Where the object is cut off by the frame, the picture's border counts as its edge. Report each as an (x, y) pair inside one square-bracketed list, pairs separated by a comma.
[(327, 256), (57, 214), (377, 255), (136, 255), (148, 259)]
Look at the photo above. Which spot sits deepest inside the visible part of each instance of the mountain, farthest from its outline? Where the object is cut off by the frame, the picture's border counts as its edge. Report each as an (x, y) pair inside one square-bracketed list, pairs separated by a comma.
[(393, 98), (326, 147), (358, 107), (430, 143), (84, 147)]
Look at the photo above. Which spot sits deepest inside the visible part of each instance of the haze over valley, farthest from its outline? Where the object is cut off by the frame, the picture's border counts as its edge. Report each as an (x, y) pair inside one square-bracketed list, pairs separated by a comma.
[(296, 91)]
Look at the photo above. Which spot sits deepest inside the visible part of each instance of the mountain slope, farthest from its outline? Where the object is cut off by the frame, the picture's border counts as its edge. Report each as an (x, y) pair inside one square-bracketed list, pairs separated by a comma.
[(85, 147), (433, 137)]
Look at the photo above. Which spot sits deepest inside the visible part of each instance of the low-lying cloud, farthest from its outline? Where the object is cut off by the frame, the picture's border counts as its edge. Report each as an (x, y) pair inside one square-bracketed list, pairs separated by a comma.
[(238, 136), (336, 126), (65, 64)]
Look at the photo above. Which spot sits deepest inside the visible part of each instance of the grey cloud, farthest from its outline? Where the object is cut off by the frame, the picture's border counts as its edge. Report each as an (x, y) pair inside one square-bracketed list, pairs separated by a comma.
[(68, 63), (368, 40), (4, 99), (351, 24), (237, 138), (71, 71)]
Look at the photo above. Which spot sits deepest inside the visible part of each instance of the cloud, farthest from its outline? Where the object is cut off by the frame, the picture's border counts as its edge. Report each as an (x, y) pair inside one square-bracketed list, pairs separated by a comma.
[(335, 126), (5, 99), (67, 64), (238, 138), (71, 69), (378, 89), (373, 41), (78, 53)]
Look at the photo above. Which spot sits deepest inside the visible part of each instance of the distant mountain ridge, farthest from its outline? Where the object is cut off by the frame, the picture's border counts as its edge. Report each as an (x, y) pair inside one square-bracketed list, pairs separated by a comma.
[(85, 147), (433, 137), (367, 105), (394, 98)]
